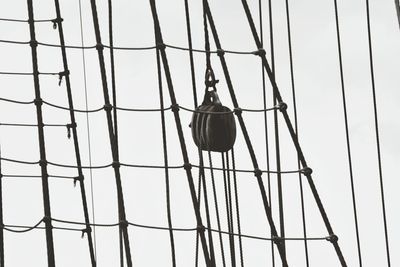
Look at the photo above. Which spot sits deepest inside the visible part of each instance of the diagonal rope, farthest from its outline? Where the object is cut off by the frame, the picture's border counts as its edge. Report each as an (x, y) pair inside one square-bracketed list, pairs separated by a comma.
[(196, 259), (257, 172), (112, 139), (165, 152), (42, 146), (189, 36), (114, 99), (161, 48), (271, 35), (293, 135), (303, 212), (74, 133), (346, 124), (88, 137), (378, 147)]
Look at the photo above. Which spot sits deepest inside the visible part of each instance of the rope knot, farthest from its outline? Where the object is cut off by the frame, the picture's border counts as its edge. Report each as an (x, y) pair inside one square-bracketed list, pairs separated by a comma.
[(116, 164), (174, 108), (201, 228), (38, 101), (33, 43), (161, 46), (306, 171), (220, 52), (69, 127), (86, 230), (277, 240), (187, 166), (61, 75), (78, 178), (47, 220), (42, 163), (55, 21), (99, 47), (332, 238), (257, 172), (108, 107), (260, 52), (237, 111), (124, 223), (282, 106)]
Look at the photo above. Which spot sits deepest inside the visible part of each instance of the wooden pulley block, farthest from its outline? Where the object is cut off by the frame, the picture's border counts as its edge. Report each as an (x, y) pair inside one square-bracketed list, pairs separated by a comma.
[(213, 125)]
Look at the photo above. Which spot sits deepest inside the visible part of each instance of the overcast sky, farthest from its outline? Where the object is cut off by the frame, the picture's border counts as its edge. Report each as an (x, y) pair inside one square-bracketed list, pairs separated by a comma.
[(320, 115)]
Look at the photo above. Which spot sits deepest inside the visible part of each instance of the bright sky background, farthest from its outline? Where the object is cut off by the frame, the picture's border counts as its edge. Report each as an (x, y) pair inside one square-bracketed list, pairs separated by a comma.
[(320, 114)]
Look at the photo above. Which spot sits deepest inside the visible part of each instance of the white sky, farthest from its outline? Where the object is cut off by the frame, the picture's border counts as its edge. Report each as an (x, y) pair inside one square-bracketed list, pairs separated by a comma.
[(320, 114)]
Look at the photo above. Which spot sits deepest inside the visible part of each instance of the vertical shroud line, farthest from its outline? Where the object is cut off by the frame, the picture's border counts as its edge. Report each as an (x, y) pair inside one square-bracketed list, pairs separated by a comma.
[(303, 211), (378, 146), (307, 171), (114, 103), (88, 127), (346, 124), (271, 35), (123, 224), (257, 171), (42, 146), (165, 152), (161, 49), (73, 125)]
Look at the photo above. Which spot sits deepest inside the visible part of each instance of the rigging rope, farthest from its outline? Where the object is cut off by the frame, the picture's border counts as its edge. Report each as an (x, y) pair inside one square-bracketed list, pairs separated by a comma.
[(27, 73), (75, 134), (228, 201), (271, 35), (42, 148), (113, 145), (27, 21), (235, 189), (189, 37), (82, 47), (165, 153), (209, 226), (346, 125), (303, 171), (151, 227), (277, 152), (87, 127), (245, 134), (303, 213), (217, 209), (114, 103), (293, 135), (378, 147), (161, 48), (137, 109), (192, 73)]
